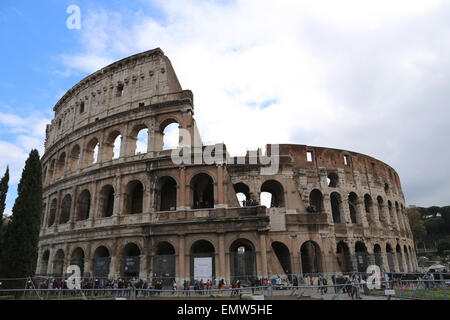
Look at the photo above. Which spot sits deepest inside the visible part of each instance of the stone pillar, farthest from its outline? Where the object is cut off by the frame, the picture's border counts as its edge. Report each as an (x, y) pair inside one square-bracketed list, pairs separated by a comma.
[(220, 189), (345, 212), (180, 274), (361, 213), (222, 262), (263, 254), (143, 267), (327, 208)]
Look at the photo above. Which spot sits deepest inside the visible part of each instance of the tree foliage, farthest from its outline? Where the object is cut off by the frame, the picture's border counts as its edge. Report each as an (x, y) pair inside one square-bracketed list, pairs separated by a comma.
[(19, 256), (417, 224), (3, 192)]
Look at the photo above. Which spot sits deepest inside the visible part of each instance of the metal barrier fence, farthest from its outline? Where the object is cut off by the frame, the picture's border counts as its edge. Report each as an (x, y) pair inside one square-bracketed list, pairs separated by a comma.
[(350, 290)]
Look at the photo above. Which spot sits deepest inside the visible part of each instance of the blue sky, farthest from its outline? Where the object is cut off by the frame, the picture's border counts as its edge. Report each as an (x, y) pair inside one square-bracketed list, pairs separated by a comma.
[(366, 76)]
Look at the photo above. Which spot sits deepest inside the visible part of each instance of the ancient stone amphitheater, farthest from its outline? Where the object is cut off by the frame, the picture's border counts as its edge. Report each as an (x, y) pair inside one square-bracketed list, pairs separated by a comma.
[(136, 213)]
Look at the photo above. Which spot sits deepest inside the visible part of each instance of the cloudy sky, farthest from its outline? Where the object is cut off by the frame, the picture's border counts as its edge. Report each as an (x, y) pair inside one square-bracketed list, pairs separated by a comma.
[(366, 76)]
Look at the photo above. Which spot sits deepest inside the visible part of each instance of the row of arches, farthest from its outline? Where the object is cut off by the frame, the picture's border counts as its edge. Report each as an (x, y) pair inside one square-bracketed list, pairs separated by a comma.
[(357, 206), (112, 147), (165, 198)]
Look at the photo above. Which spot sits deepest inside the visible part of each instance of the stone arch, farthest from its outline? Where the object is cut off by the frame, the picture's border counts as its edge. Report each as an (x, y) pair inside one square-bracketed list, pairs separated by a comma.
[(44, 262), (168, 127), (311, 257), (408, 261), (91, 152), (242, 193), (390, 257), (378, 255), (106, 201), (380, 204), (368, 206), (52, 213), (58, 263), (242, 261), (130, 260), (203, 252), (74, 159), (353, 207), (202, 186), (315, 201), (362, 256), (135, 145), (83, 205), (275, 188), (51, 170), (60, 164), (336, 207), (66, 206), (102, 260), (78, 258), (112, 145), (134, 197), (283, 255), (343, 257), (399, 257), (167, 194), (164, 262)]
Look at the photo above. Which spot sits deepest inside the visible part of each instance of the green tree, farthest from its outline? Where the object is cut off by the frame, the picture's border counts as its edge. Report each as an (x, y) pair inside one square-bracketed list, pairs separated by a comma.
[(417, 225), (435, 226), (20, 252), (3, 192), (443, 246)]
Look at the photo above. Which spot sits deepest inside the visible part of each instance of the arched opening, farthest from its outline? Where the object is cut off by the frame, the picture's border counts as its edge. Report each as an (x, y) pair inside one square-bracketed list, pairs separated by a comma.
[(283, 257), (134, 193), (242, 261), (335, 199), (138, 140), (276, 190), (391, 213), (77, 258), (353, 207), (106, 201), (84, 205), (378, 255), (380, 208), (202, 187), (390, 258), (112, 146), (60, 164), (315, 201), (167, 194), (368, 206), (332, 180), (362, 257), (74, 158), (102, 260), (170, 134), (408, 262), (311, 257), (398, 215), (399, 257), (343, 257), (131, 261), (44, 262), (65, 208), (52, 213), (58, 263), (51, 170), (242, 193), (164, 263), (202, 261), (91, 152), (386, 188)]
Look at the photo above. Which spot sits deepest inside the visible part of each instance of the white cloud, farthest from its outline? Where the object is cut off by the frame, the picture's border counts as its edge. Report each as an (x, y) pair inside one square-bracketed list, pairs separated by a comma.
[(365, 76)]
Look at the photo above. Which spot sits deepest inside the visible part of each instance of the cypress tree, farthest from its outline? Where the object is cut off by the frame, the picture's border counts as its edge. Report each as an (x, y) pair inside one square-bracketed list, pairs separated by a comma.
[(3, 192), (19, 255)]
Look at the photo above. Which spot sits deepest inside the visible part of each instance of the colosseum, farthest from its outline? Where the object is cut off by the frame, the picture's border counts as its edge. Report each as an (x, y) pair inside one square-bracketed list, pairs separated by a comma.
[(137, 213)]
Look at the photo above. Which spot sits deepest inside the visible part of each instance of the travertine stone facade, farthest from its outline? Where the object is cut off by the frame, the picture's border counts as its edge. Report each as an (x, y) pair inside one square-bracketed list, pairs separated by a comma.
[(139, 214)]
